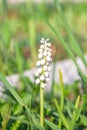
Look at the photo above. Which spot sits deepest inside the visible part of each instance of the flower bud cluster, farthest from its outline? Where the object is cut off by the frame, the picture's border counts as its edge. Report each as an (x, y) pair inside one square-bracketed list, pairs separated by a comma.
[(43, 63)]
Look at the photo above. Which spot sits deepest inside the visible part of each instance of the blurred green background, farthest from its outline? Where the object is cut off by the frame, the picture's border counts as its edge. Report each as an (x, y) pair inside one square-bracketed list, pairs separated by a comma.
[(21, 28)]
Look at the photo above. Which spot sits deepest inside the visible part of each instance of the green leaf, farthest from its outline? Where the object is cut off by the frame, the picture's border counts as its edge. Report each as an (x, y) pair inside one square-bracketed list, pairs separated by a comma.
[(75, 114), (63, 118), (62, 94), (11, 89), (52, 125), (18, 58), (30, 116), (83, 120), (73, 42)]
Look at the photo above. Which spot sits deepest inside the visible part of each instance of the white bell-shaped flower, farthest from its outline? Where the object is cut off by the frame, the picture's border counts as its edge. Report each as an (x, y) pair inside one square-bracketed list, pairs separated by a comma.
[(49, 54), (46, 74), (40, 55), (37, 81), (48, 58), (37, 74), (42, 78), (45, 67), (49, 44), (47, 79), (39, 70), (40, 50), (42, 61), (38, 63), (45, 53), (42, 85), (49, 68), (42, 46)]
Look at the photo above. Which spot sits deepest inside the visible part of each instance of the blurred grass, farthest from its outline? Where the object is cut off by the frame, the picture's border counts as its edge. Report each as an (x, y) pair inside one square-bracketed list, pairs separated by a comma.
[(22, 23), (20, 31), (17, 107)]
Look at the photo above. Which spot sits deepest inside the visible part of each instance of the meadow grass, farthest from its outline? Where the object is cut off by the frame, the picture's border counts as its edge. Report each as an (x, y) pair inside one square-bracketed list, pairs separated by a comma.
[(64, 105)]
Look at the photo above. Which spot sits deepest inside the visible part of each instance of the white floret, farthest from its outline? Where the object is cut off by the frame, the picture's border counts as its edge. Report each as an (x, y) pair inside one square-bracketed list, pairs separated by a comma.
[(47, 39), (47, 63), (49, 44), (40, 55), (45, 53), (49, 68), (42, 78), (38, 63), (42, 39), (48, 58), (40, 50), (45, 68), (42, 46), (49, 53), (39, 70), (36, 74), (47, 79), (42, 61), (46, 74), (48, 49), (37, 81), (42, 85)]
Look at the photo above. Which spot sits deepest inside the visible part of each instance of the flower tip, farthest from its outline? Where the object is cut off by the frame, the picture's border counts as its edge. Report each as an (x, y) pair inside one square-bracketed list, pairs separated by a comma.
[(47, 39), (42, 38)]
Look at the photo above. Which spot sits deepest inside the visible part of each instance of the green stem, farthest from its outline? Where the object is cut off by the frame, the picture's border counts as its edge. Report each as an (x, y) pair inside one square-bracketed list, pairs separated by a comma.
[(41, 106)]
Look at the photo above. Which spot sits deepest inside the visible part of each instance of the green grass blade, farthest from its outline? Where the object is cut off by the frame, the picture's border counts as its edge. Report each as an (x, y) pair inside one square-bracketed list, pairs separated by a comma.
[(62, 95), (83, 120), (75, 114), (18, 58), (62, 89), (31, 28), (11, 89), (20, 101), (32, 36), (61, 115), (51, 125), (22, 120), (73, 41), (36, 122), (70, 104)]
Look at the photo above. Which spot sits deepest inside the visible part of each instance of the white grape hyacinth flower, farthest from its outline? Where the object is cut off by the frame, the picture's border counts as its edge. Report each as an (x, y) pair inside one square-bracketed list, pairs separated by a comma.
[(43, 63)]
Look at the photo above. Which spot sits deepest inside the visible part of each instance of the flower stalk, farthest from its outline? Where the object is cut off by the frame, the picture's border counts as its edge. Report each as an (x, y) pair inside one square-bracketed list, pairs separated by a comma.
[(42, 73), (41, 106)]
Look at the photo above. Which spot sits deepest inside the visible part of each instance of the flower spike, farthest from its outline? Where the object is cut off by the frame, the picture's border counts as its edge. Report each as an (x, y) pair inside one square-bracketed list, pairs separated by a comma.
[(43, 63), (42, 74)]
